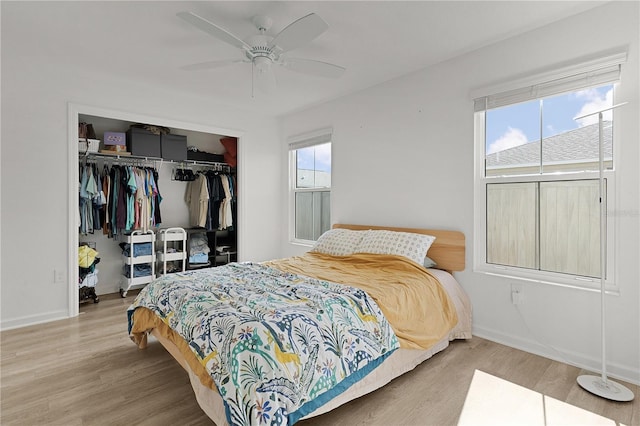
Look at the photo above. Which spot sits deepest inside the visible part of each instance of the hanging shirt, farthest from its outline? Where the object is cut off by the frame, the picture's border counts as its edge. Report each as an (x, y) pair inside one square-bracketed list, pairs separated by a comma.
[(84, 201), (157, 198), (121, 207), (140, 202), (226, 220), (197, 198), (216, 199), (106, 183), (131, 190)]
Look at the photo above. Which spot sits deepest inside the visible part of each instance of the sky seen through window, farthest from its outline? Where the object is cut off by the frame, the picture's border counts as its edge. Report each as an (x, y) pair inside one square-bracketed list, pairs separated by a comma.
[(514, 125)]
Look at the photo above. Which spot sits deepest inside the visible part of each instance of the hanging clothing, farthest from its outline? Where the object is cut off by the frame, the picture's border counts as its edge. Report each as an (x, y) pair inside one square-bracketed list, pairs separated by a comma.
[(105, 218), (197, 198), (211, 201), (119, 199), (216, 198), (121, 203), (157, 198), (226, 220), (88, 197)]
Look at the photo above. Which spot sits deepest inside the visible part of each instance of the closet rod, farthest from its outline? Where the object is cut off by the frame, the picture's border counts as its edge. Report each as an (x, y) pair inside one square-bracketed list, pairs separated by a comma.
[(223, 167), (198, 163)]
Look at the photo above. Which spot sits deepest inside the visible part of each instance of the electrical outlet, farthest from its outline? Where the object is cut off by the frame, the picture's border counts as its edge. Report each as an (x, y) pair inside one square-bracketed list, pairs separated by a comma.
[(58, 276), (517, 296)]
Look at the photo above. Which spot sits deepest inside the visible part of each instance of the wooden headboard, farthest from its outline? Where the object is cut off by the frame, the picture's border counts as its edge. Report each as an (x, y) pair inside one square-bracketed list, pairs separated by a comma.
[(448, 250)]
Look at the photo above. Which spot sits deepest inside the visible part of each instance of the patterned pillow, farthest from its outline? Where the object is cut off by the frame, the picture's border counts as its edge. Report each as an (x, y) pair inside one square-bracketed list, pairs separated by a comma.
[(409, 245), (338, 242)]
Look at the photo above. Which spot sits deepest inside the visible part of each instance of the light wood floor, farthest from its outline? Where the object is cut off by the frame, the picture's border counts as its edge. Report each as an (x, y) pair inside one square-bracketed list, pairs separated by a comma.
[(86, 371)]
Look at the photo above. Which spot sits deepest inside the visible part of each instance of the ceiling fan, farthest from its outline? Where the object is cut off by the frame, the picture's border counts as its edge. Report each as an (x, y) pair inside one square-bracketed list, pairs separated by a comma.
[(264, 51)]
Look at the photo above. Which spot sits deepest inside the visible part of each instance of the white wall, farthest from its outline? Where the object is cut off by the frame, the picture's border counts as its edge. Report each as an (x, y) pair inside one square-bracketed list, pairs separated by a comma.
[(35, 97), (403, 156)]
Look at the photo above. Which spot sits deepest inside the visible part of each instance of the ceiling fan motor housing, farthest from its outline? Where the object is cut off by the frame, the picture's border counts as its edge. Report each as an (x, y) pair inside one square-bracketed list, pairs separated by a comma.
[(261, 54)]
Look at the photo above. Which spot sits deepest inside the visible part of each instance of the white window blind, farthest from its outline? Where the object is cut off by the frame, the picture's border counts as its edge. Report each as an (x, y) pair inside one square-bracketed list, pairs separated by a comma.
[(310, 139), (597, 72)]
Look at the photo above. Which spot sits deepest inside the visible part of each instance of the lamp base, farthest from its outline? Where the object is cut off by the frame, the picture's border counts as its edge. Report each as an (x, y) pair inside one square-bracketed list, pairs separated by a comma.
[(609, 389)]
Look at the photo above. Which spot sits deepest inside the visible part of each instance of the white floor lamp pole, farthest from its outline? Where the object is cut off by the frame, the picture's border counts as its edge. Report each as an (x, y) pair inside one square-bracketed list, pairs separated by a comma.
[(602, 386)]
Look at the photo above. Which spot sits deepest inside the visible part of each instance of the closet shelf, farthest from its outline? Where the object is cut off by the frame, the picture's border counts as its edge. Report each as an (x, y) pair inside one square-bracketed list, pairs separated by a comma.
[(116, 156), (120, 157)]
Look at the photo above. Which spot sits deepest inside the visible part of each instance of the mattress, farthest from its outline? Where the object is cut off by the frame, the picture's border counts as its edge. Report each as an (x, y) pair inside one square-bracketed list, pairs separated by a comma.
[(398, 363)]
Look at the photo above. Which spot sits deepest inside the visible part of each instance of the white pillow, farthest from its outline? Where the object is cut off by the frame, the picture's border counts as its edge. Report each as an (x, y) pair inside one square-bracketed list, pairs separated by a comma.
[(410, 245), (338, 242)]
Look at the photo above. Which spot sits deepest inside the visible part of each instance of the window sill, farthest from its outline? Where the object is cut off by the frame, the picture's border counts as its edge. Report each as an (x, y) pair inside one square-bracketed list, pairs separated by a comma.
[(302, 243), (540, 277)]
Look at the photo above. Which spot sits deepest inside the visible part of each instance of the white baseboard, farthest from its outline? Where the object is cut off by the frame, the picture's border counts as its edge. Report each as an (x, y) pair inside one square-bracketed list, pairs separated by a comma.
[(616, 371), (32, 320)]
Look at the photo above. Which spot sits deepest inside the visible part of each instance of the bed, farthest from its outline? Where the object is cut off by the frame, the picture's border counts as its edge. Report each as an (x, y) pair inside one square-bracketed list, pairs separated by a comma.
[(293, 338)]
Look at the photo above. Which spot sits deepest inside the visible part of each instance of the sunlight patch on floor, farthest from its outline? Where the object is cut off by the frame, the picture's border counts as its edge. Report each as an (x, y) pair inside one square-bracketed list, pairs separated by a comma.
[(494, 401)]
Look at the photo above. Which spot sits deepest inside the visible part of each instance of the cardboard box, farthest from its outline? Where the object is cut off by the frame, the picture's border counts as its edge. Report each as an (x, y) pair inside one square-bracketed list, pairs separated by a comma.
[(116, 148)]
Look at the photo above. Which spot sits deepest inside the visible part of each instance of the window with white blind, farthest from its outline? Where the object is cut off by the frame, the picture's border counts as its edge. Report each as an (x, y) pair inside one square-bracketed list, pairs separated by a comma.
[(537, 175), (310, 178)]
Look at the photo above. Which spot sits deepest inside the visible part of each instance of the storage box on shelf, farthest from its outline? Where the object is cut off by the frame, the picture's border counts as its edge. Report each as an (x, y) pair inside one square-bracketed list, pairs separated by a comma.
[(173, 250), (115, 138), (88, 145), (143, 143), (115, 150), (139, 261), (173, 147)]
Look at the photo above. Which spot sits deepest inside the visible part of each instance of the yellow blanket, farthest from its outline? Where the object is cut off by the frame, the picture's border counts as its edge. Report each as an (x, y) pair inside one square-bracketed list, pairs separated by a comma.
[(413, 301)]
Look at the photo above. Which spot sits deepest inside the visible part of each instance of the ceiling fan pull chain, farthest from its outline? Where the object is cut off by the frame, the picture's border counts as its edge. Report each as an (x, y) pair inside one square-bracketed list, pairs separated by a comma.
[(253, 79)]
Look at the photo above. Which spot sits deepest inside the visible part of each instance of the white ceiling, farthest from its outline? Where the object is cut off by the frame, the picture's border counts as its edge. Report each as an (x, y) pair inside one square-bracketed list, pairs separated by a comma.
[(375, 41)]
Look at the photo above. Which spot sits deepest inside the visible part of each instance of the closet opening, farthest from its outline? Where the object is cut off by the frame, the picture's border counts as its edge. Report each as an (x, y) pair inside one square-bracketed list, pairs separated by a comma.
[(131, 203)]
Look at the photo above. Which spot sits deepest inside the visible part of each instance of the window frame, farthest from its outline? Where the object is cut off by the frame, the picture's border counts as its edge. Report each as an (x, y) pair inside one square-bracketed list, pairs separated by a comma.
[(481, 181), (306, 140)]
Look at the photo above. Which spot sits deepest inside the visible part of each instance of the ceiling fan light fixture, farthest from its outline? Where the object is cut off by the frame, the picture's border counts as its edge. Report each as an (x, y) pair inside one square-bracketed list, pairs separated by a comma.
[(262, 63)]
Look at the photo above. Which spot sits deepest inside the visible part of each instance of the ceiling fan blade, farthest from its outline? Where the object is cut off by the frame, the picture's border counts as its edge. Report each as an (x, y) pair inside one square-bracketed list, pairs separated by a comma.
[(300, 32), (211, 65), (214, 30), (318, 68)]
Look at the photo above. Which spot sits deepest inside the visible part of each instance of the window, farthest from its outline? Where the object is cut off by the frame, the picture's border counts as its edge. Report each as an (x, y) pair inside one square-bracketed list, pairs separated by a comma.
[(310, 158), (537, 181)]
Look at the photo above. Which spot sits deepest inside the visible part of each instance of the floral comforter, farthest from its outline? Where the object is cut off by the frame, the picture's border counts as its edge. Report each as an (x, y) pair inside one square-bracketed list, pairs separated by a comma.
[(277, 345)]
